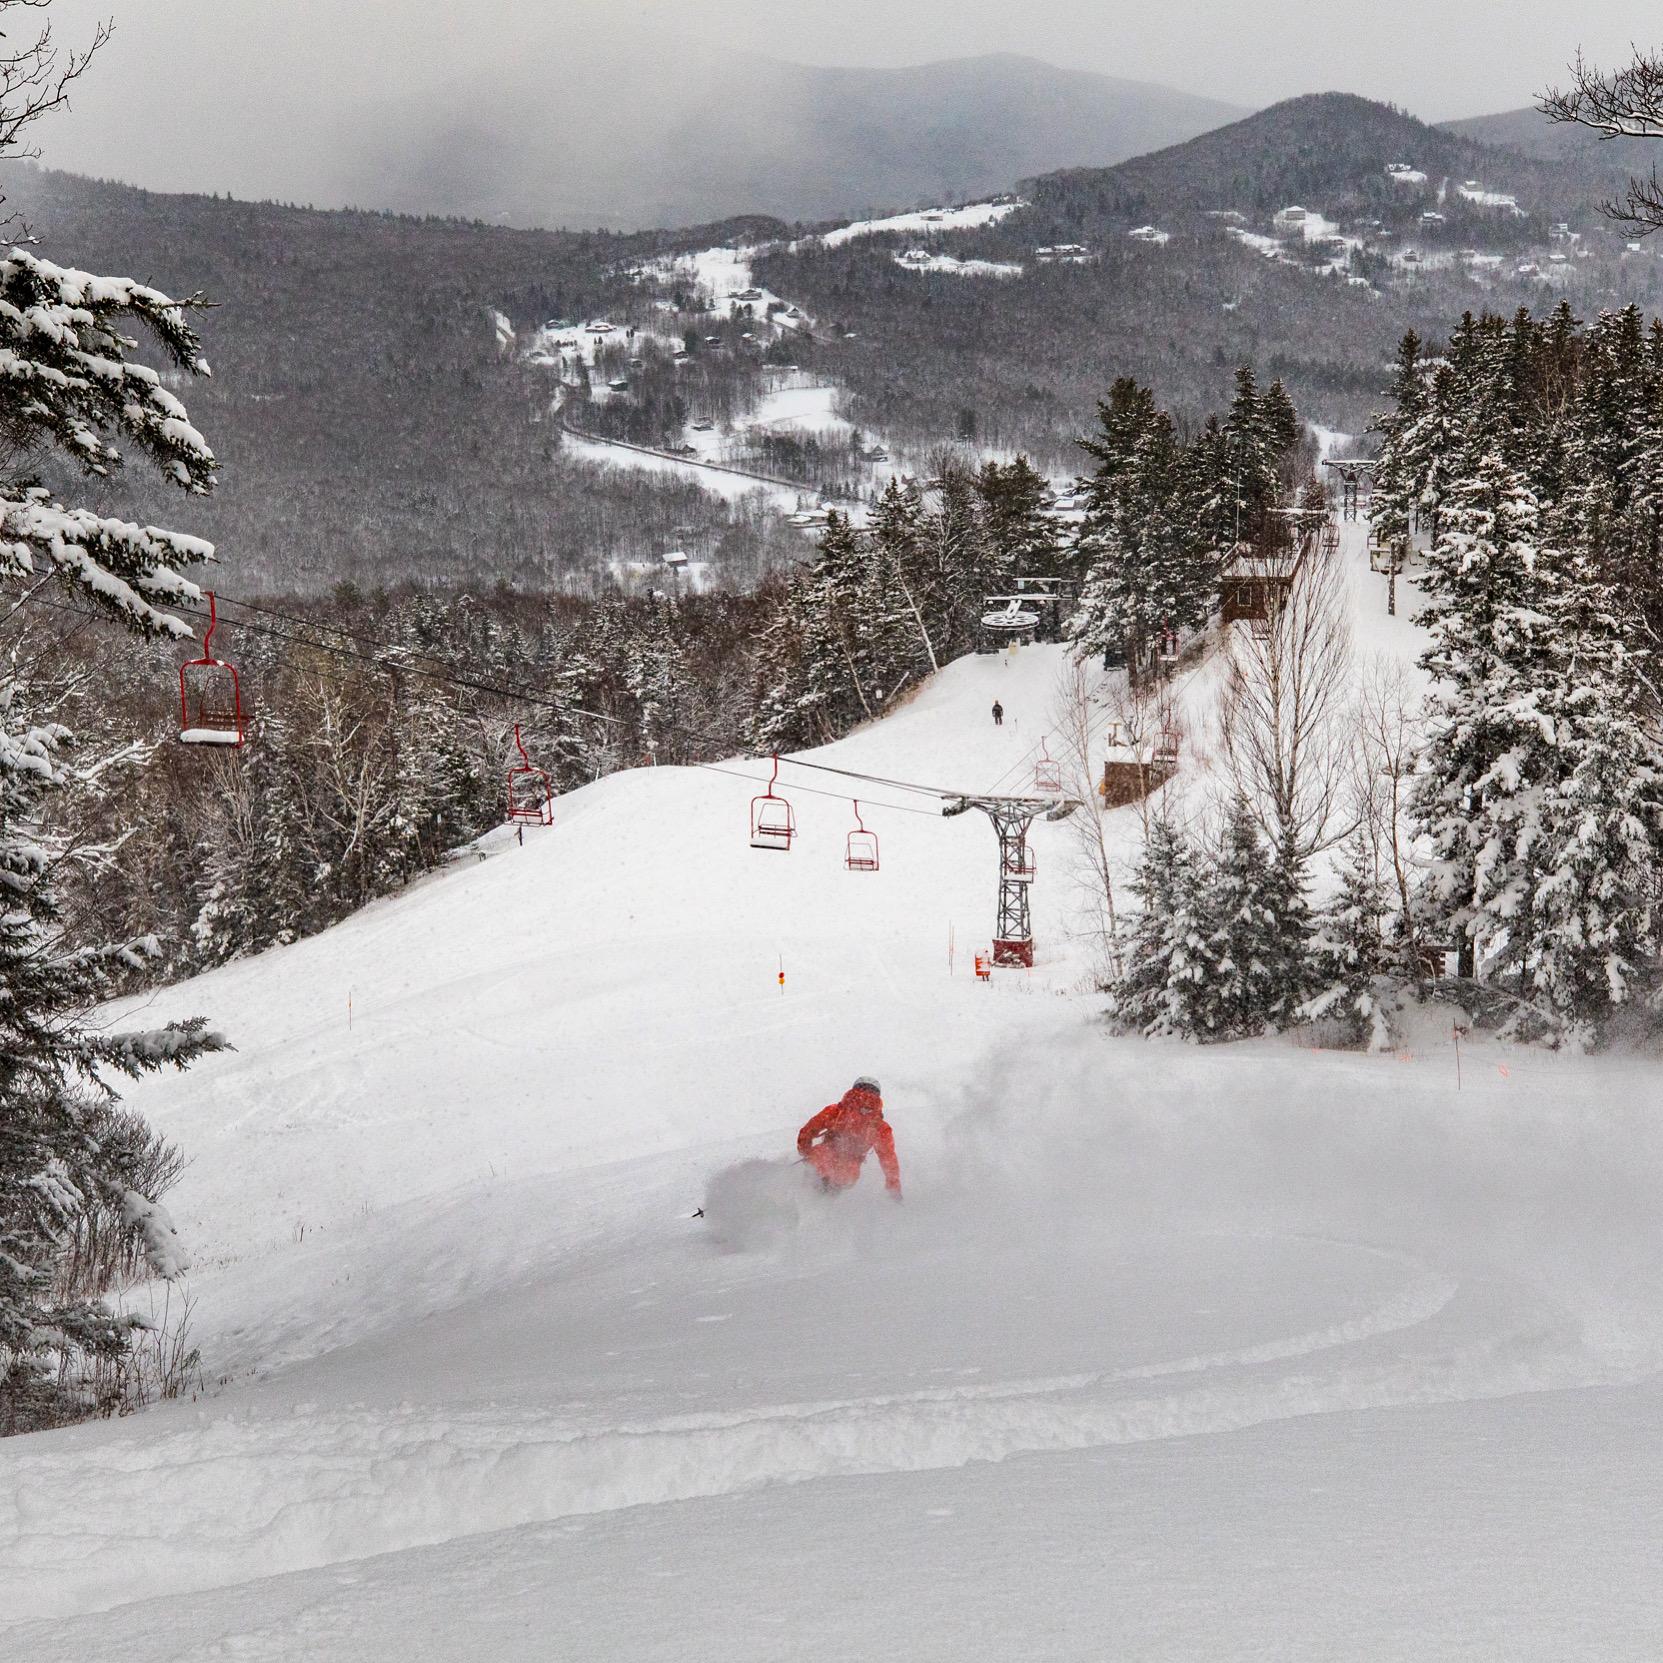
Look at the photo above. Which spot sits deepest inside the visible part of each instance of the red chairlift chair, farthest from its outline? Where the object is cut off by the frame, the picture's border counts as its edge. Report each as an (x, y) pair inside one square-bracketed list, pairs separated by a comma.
[(530, 795), (210, 695), (773, 821), (1019, 863), (861, 855), (1047, 770)]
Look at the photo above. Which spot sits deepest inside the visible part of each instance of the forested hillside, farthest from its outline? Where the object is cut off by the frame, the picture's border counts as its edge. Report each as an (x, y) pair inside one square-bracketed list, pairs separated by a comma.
[(1330, 146), (377, 423), (369, 424), (1180, 270), (1601, 160)]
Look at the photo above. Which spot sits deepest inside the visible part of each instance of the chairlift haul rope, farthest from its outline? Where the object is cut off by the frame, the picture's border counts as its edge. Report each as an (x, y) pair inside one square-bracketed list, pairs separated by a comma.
[(449, 678)]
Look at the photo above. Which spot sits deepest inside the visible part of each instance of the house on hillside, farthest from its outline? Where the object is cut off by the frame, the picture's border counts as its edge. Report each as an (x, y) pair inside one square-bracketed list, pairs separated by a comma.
[(1291, 218)]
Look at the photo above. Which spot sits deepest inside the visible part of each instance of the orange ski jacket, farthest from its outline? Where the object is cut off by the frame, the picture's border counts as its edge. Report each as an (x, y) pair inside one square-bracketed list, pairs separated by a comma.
[(838, 1139)]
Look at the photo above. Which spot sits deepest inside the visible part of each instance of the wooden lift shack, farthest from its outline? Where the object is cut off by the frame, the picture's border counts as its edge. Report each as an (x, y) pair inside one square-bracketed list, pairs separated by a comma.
[(1135, 769), (1255, 585)]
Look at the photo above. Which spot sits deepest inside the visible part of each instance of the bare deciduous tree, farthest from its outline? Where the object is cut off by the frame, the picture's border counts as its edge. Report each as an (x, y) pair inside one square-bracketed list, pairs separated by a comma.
[(1388, 740), (1285, 715), (1079, 729), (1618, 104), (35, 76)]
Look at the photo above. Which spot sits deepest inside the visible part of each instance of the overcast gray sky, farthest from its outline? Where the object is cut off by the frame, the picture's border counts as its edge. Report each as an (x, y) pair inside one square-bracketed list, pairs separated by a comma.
[(286, 98), (1439, 58)]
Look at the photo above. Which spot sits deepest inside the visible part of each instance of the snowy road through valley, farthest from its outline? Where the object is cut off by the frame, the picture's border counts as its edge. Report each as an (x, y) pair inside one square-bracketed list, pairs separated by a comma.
[(1245, 1351)]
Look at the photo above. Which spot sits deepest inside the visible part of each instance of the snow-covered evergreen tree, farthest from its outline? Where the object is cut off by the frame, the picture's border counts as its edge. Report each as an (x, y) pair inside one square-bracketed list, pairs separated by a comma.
[(1148, 566), (1350, 961), (908, 572), (53, 1163), (70, 388), (1022, 534), (1254, 953), (1399, 475), (1491, 651), (1580, 932), (1252, 455), (1159, 990)]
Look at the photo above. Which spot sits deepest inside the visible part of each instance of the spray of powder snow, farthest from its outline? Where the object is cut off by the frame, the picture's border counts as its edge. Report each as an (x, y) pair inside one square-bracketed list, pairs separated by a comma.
[(1538, 1179), (755, 1205), (1540, 1172)]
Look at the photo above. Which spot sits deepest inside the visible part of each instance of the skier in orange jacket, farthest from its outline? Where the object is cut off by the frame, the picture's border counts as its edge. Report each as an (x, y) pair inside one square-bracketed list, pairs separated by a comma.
[(838, 1139)]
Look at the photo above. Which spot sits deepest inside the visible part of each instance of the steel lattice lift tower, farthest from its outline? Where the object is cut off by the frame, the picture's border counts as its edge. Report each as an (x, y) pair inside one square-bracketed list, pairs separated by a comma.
[(1013, 933), (1356, 476)]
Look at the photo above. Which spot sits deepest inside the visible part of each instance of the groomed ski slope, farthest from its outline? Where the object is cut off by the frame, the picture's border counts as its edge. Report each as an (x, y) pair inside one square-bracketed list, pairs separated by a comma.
[(1248, 1351)]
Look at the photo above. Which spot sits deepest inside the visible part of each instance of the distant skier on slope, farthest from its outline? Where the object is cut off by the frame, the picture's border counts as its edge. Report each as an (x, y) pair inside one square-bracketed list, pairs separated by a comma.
[(998, 714), (838, 1139)]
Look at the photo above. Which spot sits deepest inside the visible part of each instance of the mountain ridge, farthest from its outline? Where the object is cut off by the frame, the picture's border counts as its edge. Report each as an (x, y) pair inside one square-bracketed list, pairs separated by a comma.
[(651, 137)]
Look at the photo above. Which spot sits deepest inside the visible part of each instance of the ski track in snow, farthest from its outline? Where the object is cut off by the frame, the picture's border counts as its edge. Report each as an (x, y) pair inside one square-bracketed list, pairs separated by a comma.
[(322, 1488)]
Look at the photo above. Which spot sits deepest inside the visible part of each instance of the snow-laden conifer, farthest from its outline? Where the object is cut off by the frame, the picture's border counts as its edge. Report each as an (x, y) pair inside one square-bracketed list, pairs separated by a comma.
[(1255, 970), (1350, 960), (1158, 990)]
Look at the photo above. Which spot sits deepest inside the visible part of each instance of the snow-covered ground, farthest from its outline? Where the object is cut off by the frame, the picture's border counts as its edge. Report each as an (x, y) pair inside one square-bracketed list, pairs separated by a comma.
[(802, 404), (707, 475), (1313, 227), (921, 260), (926, 221), (1244, 1352), (721, 282), (1472, 191)]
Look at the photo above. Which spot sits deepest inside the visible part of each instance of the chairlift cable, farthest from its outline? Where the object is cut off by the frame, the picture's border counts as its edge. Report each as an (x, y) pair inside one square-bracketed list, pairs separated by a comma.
[(816, 791), (542, 701)]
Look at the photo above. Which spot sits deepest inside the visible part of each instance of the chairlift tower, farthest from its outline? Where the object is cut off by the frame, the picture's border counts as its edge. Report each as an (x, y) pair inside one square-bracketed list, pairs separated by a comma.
[(1356, 475), (1013, 932)]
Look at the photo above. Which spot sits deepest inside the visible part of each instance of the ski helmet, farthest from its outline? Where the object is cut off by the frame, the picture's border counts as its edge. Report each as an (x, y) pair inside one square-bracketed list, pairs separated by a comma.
[(867, 1083)]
